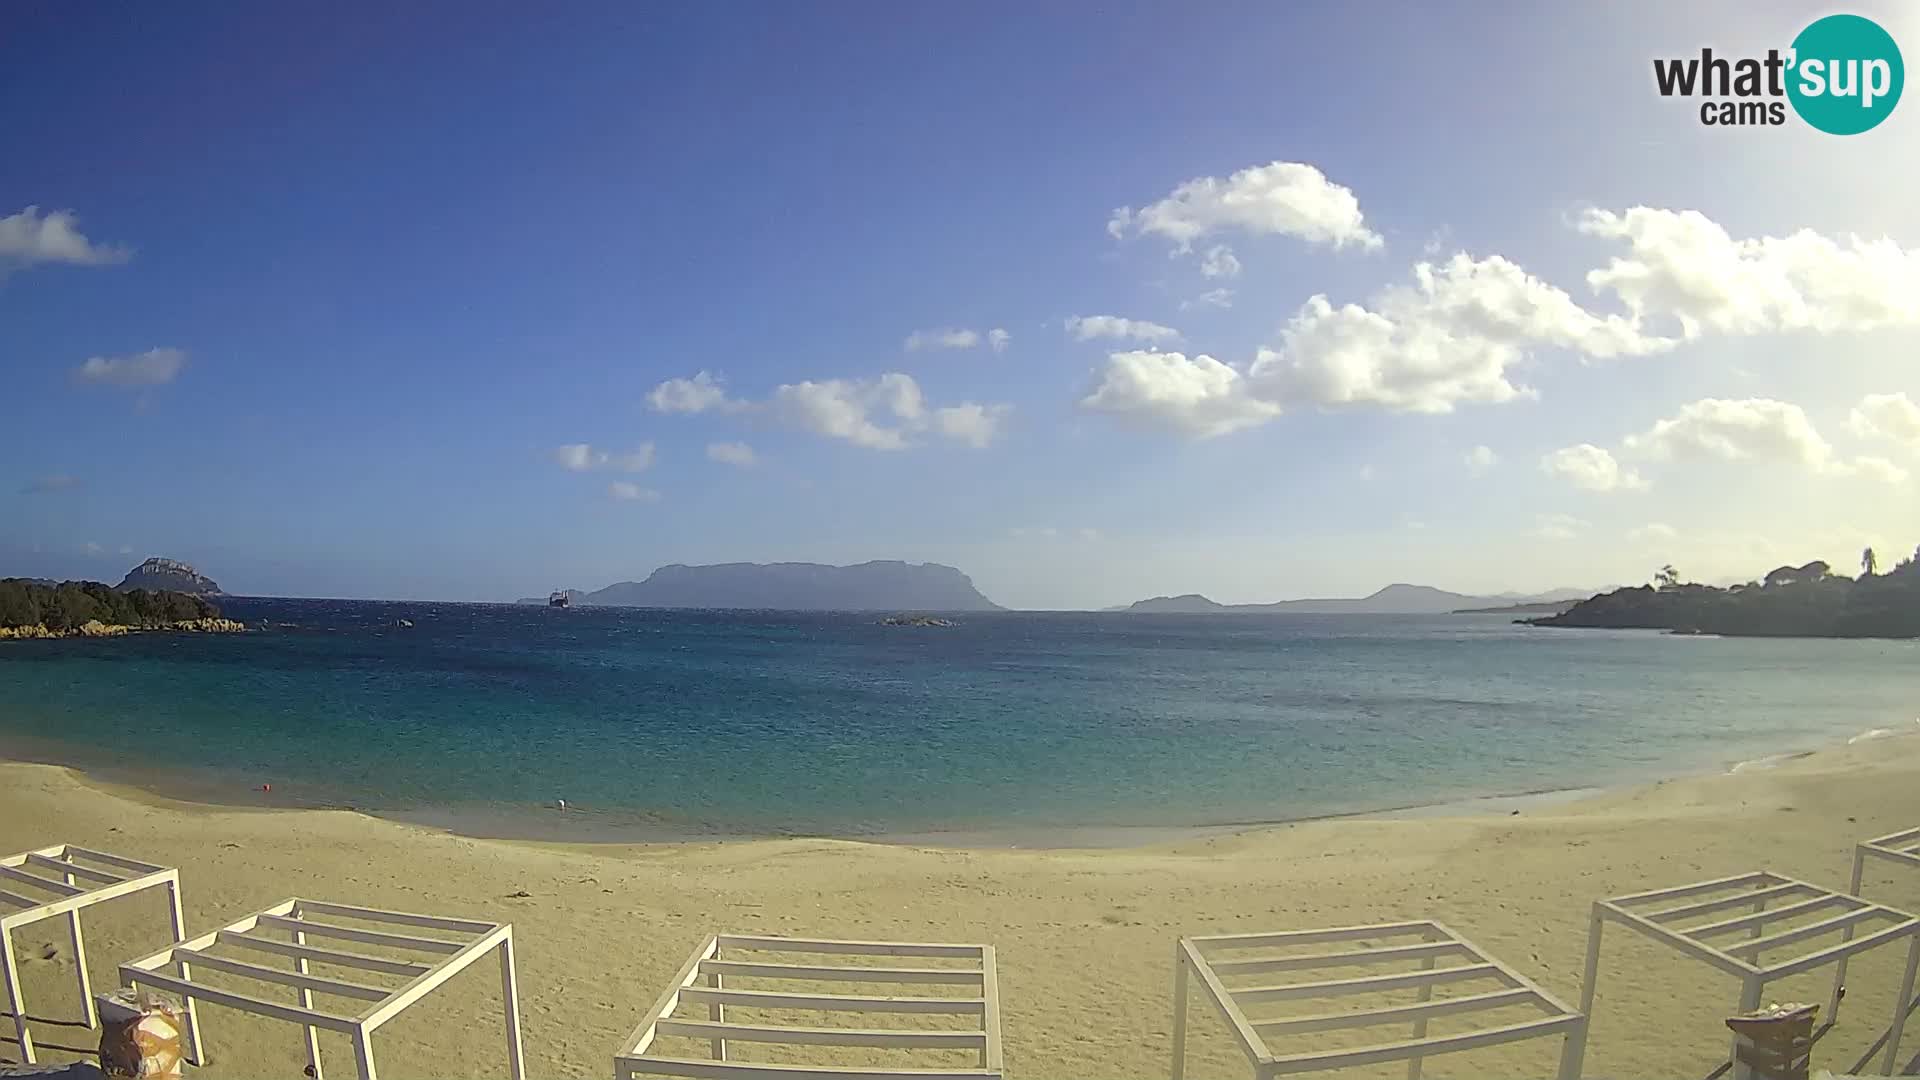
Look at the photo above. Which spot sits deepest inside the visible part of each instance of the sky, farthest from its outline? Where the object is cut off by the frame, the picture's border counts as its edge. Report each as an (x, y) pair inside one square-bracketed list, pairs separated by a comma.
[(475, 301)]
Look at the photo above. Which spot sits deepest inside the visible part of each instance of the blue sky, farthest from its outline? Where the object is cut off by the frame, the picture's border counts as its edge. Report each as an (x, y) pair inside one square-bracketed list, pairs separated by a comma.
[(408, 256)]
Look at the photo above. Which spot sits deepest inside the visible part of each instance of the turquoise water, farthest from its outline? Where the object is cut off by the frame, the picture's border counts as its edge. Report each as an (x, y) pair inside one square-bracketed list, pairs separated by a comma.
[(771, 722)]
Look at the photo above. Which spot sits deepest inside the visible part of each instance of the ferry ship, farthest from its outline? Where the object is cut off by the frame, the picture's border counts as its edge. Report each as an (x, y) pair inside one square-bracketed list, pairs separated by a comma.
[(560, 599)]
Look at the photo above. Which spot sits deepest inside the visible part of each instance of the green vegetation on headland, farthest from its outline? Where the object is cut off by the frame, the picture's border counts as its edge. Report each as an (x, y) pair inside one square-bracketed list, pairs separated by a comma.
[(31, 609), (1792, 601)]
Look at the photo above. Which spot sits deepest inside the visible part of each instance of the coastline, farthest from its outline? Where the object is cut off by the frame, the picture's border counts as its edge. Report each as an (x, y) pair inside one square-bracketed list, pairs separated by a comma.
[(1084, 936), (214, 790)]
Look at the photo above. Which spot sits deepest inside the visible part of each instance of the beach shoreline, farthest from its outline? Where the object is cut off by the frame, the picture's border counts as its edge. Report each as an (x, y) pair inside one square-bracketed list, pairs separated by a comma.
[(217, 789), (1085, 936)]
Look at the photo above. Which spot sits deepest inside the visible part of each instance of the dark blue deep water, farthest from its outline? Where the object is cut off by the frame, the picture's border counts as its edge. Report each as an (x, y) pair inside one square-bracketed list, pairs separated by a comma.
[(776, 722)]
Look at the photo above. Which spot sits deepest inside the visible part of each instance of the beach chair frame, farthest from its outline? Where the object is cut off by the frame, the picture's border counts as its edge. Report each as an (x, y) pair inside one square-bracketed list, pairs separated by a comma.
[(425, 962), (1901, 848), (1209, 960), (1655, 915), (85, 877), (703, 980)]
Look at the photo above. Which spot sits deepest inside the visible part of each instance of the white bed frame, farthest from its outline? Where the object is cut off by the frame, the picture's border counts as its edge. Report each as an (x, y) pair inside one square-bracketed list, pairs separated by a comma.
[(1212, 961), (81, 878), (425, 963), (708, 966)]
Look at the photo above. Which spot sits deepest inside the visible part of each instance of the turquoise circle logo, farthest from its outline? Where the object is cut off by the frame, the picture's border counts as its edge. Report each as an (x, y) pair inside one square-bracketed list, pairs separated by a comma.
[(1846, 74)]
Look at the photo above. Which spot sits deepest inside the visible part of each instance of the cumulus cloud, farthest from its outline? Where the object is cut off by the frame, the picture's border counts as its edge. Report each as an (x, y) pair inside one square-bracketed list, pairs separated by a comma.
[(1591, 468), (1887, 416), (732, 453), (944, 338), (622, 491), (30, 237), (882, 414), (583, 457), (1449, 338), (1280, 198), (699, 394), (1684, 267), (1195, 396), (1480, 459), (1219, 262), (151, 368), (1088, 327), (1558, 526), (1753, 429), (997, 339)]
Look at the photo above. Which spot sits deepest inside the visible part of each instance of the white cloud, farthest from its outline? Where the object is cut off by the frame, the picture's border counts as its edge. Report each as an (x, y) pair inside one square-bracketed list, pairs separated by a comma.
[(1088, 327), (1219, 262), (31, 237), (699, 394), (1591, 468), (623, 491), (1887, 416), (1653, 532), (732, 453), (1449, 338), (1752, 429), (1198, 396), (944, 338), (1220, 298), (151, 368), (582, 457), (970, 423), (1282, 197), (997, 339), (126, 549), (94, 548), (1480, 459), (1558, 526), (1683, 266), (883, 413)]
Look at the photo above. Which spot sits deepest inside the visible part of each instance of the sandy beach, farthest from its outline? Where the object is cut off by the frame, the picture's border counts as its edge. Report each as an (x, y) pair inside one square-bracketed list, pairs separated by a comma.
[(1085, 937)]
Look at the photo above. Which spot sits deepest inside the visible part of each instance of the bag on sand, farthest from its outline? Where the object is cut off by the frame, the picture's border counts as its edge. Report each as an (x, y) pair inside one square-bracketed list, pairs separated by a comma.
[(139, 1036)]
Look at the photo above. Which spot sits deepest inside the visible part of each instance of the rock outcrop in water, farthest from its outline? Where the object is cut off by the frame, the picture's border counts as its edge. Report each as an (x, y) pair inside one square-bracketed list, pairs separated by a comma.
[(170, 575), (1805, 601), (887, 585)]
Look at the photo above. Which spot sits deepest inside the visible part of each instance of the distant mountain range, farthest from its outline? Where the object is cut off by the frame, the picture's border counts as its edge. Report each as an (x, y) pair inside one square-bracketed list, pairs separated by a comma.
[(870, 586), (1398, 599)]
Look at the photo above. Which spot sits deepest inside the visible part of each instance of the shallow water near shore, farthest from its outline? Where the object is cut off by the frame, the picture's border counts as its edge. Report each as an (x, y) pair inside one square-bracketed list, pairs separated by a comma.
[(1025, 727)]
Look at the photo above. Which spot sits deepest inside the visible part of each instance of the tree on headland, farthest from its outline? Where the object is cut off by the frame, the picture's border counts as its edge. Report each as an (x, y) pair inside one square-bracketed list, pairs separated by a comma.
[(72, 604), (1869, 565), (1667, 577)]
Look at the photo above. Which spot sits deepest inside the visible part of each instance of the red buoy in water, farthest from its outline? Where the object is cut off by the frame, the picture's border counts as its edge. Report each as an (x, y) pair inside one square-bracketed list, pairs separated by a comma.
[(266, 787)]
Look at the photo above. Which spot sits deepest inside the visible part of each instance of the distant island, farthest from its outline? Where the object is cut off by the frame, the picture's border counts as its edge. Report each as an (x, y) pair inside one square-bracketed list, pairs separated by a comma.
[(887, 585), (170, 575), (1397, 599), (30, 608), (1790, 601), (1544, 607)]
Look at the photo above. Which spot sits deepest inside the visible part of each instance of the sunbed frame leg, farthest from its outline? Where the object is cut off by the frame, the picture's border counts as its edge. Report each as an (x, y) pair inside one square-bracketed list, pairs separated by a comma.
[(1590, 981), (196, 1053), (1900, 1006), (1179, 1012), (306, 1002), (1420, 1025), (13, 995), (1750, 990), (80, 964), (1846, 935), (1574, 1051), (510, 1002)]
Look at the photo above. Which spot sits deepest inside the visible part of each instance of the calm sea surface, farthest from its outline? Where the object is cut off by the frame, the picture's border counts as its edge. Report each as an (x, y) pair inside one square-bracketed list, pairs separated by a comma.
[(665, 722)]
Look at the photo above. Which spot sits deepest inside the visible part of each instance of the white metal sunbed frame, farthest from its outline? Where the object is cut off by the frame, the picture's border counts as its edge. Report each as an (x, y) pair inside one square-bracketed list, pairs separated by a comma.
[(1902, 848), (444, 958), (1657, 914), (707, 965), (81, 878), (1209, 958)]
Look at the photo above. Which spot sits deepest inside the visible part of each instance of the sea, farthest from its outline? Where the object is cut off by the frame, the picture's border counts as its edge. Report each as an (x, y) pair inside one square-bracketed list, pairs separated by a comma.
[(654, 724)]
